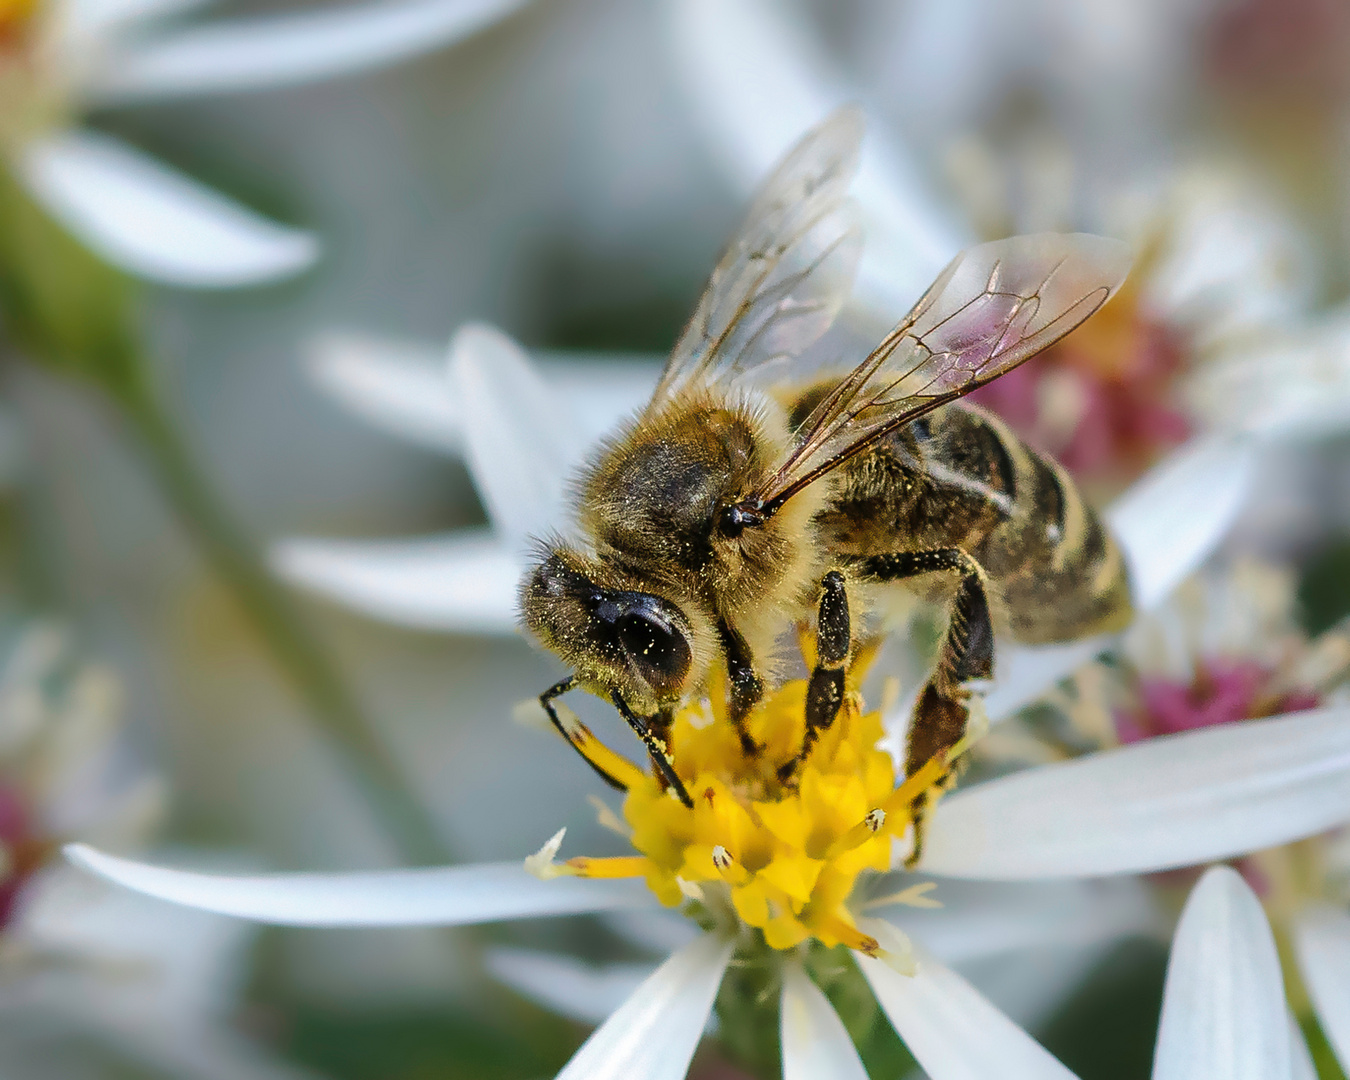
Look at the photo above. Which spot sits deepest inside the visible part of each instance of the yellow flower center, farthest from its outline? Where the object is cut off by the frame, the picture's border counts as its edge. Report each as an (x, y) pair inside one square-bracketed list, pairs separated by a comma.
[(785, 853)]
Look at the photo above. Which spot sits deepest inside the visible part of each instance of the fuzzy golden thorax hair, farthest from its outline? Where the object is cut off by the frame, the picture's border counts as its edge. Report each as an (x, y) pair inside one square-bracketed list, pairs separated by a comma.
[(653, 499)]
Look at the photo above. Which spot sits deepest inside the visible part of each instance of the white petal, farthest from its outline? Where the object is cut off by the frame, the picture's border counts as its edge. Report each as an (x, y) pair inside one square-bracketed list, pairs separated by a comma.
[(600, 389), (463, 582), (564, 984), (1173, 801), (757, 86), (401, 386), (1322, 945), (283, 50), (1290, 384), (952, 1030), (657, 932), (985, 920), (653, 1035), (1223, 1013), (521, 444), (1024, 673), (1028, 946), (154, 222), (1170, 521), (86, 20), (1032, 987), (439, 896), (815, 1044), (1235, 257)]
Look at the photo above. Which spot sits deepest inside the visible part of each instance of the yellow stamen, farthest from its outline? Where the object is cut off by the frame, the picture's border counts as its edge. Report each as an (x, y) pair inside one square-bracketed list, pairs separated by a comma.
[(915, 896), (15, 12), (607, 818), (620, 866), (862, 832), (932, 774), (732, 872), (597, 753), (850, 936)]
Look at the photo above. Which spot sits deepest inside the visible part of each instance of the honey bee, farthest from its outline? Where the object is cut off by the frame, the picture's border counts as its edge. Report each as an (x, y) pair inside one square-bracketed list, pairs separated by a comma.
[(725, 512)]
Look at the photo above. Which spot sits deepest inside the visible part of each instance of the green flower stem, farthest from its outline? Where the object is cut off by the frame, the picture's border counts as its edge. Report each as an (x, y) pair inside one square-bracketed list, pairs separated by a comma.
[(275, 619), (71, 312)]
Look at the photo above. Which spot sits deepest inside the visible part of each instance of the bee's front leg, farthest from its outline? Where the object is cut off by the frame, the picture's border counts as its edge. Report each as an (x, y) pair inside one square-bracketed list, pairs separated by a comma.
[(825, 691), (568, 732), (657, 746), (941, 713), (746, 685)]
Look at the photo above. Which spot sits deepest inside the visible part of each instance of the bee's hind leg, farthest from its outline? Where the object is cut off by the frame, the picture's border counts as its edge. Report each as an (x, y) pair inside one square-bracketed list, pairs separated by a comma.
[(941, 714), (825, 691)]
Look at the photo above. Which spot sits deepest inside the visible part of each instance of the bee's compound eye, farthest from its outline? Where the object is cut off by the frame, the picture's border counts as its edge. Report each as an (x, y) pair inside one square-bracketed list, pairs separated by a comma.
[(657, 649)]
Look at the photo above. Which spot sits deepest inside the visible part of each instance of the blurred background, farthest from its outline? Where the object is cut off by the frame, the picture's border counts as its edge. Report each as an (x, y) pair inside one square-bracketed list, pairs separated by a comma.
[(568, 173)]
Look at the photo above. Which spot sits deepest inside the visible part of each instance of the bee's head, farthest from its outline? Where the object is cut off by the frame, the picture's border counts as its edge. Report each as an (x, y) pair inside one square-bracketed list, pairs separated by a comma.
[(615, 637)]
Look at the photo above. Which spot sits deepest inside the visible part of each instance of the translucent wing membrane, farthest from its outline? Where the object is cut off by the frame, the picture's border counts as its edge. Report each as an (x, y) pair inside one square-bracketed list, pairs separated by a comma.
[(993, 307), (786, 273)]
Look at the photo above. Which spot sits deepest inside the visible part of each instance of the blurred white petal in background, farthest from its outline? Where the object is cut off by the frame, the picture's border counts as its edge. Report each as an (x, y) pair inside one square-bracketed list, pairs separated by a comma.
[(284, 50), (154, 222), (143, 216)]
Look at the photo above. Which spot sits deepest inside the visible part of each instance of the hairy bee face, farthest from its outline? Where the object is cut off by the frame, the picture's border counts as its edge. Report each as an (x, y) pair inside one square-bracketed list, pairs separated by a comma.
[(616, 638)]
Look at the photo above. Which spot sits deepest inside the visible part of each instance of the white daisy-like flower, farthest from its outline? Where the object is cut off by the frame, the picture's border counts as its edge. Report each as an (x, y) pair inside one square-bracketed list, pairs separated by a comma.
[(92, 965), (1226, 650), (1215, 330), (1225, 1015), (780, 875), (60, 59)]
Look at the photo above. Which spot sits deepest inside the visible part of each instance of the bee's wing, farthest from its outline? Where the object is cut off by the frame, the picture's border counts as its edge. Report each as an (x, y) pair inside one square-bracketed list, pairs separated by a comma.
[(786, 273), (992, 307)]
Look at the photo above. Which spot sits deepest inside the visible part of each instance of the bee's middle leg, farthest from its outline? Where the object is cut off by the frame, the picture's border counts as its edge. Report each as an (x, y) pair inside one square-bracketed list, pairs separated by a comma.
[(941, 713), (825, 691)]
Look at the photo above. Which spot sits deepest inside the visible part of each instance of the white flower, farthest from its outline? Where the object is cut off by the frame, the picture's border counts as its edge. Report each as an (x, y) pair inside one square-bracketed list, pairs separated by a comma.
[(1224, 1012), (92, 965), (1225, 652), (1190, 798), (62, 58), (1216, 328)]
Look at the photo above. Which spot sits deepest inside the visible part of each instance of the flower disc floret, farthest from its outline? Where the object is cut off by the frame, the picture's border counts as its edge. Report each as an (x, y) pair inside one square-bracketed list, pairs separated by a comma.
[(774, 840)]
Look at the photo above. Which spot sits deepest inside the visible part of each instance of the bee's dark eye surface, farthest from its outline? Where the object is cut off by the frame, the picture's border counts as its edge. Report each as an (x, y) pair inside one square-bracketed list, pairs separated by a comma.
[(657, 649)]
